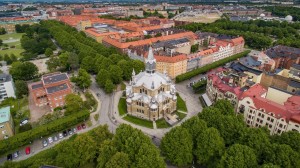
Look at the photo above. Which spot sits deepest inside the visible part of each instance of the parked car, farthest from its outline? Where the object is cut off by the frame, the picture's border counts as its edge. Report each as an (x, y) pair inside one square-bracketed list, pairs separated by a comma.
[(70, 132), (27, 150), (45, 143), (9, 157), (78, 127), (65, 133), (24, 121), (55, 138), (83, 126), (60, 135), (74, 130), (50, 140), (16, 154)]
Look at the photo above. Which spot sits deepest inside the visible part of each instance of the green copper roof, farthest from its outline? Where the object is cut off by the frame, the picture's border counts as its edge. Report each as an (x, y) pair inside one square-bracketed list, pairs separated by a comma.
[(4, 114)]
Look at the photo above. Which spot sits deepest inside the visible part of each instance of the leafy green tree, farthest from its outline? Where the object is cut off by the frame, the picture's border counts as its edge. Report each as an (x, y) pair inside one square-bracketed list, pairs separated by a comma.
[(63, 59), (238, 156), (138, 66), (209, 148), (48, 52), (177, 146), (83, 80), (109, 86), (53, 63), (127, 69), (2, 31), (106, 152), (257, 139), (73, 61), (148, 156), (119, 160), (21, 88), (88, 63), (1, 42), (13, 57), (195, 126), (290, 138), (23, 70), (100, 134), (7, 59), (269, 165), (102, 76), (225, 106), (74, 104), (116, 74), (283, 156)]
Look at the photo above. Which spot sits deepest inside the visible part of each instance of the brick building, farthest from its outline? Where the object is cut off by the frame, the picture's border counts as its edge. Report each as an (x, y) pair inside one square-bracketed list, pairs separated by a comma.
[(51, 90)]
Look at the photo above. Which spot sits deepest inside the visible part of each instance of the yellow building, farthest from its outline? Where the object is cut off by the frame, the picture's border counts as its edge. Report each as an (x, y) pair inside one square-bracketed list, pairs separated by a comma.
[(83, 24), (175, 65), (6, 123)]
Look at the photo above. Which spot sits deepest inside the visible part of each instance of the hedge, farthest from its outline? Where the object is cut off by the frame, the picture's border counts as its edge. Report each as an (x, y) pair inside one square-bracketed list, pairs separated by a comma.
[(208, 67), (25, 138), (199, 85)]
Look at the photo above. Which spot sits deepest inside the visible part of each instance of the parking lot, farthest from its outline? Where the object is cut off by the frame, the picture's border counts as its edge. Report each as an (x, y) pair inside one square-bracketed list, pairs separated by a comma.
[(44, 143)]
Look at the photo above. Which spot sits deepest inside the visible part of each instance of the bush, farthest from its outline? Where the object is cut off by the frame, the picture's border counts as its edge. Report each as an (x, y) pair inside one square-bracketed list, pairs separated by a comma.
[(199, 85), (208, 67), (26, 137)]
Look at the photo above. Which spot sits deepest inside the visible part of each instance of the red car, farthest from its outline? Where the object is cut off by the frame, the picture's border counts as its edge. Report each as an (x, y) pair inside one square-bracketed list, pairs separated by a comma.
[(79, 127), (27, 150)]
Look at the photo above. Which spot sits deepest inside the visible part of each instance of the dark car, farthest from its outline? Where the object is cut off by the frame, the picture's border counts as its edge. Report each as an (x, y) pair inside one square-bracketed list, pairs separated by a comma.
[(83, 126), (65, 133), (78, 127), (9, 157)]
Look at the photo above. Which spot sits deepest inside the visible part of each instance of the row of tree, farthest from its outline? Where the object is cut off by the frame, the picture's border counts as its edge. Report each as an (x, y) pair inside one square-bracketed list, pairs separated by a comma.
[(2, 31), (129, 147), (283, 11), (217, 137), (258, 34), (81, 51)]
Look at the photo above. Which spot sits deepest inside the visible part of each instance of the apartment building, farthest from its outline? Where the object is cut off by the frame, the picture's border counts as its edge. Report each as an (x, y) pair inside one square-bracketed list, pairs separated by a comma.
[(6, 123), (261, 110), (7, 88), (51, 90)]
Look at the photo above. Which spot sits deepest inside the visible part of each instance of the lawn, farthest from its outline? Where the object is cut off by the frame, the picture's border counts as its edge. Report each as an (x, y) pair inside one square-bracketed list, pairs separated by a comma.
[(18, 49), (180, 115), (139, 121), (162, 123), (122, 106), (181, 106)]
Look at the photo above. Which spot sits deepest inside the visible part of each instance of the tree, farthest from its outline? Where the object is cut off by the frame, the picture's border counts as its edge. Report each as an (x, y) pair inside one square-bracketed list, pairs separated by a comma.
[(102, 76), (225, 106), (83, 80), (158, 35), (177, 146), (119, 160), (148, 156), (7, 59), (74, 104), (209, 148), (109, 86), (21, 88), (194, 48), (53, 63), (257, 139), (2, 31), (48, 52), (73, 61), (1, 42), (23, 70), (127, 69), (13, 57), (290, 138), (283, 156), (238, 156), (116, 74), (106, 152), (195, 126)]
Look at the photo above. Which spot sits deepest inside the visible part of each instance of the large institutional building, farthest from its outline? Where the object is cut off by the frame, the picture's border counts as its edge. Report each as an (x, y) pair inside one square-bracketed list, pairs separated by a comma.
[(151, 95), (6, 123), (51, 90)]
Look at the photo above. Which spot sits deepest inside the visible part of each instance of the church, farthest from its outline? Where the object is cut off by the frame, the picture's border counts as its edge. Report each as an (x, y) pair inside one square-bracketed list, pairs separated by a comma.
[(150, 94)]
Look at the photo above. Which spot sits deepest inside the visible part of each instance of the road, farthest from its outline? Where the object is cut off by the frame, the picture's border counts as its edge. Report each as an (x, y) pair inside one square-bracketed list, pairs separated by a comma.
[(108, 114)]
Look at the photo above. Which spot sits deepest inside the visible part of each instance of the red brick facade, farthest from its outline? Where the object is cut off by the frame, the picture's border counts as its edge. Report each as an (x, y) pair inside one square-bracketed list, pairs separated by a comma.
[(51, 90)]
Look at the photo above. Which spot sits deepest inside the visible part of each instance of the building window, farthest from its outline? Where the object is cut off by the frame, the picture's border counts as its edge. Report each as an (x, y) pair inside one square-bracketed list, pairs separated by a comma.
[(280, 125), (272, 120), (268, 118), (262, 115)]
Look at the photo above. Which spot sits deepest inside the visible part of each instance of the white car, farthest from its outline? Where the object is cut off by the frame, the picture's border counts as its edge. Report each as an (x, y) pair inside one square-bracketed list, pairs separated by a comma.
[(50, 140), (45, 143), (60, 135), (23, 122)]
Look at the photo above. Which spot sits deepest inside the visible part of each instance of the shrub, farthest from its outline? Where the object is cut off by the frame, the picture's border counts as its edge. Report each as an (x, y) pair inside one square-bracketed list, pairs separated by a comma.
[(208, 67)]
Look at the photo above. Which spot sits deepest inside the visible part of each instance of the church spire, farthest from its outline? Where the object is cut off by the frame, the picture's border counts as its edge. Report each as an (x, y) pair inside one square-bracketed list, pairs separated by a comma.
[(150, 62)]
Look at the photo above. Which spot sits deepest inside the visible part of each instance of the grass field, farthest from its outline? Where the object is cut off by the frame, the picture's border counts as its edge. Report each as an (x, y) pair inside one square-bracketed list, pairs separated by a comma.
[(138, 121), (122, 106), (181, 106), (180, 115), (162, 123), (15, 41)]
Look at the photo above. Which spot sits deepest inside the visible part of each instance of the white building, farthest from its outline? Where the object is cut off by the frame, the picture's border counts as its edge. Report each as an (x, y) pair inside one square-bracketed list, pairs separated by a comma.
[(7, 88), (261, 110)]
